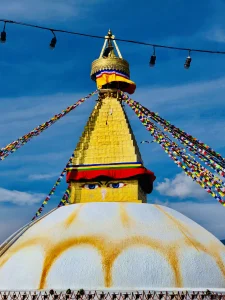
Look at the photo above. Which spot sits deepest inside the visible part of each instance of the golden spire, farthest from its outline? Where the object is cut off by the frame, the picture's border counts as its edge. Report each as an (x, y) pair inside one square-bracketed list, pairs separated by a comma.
[(108, 60), (107, 164), (109, 63)]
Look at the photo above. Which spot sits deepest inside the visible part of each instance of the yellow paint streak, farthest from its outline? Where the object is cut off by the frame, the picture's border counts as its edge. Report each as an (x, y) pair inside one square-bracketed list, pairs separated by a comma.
[(214, 251), (182, 228), (53, 254), (73, 216), (220, 263), (190, 240), (174, 263), (109, 252), (125, 218), (16, 248), (111, 256)]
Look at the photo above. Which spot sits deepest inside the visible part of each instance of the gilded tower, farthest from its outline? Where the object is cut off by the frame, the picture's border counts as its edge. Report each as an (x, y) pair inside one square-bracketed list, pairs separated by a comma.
[(107, 165)]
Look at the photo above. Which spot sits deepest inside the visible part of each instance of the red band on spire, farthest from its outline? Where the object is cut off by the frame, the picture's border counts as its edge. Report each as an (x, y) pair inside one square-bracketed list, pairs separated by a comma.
[(145, 176)]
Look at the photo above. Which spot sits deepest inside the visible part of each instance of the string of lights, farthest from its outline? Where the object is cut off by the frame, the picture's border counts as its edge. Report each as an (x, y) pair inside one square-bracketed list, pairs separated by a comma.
[(152, 58)]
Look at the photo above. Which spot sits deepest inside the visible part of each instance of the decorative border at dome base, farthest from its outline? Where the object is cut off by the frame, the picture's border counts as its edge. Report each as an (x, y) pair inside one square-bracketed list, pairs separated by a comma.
[(114, 295)]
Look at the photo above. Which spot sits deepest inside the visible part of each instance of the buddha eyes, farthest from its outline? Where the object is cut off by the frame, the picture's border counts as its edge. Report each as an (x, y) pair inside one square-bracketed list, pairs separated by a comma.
[(116, 185), (93, 186)]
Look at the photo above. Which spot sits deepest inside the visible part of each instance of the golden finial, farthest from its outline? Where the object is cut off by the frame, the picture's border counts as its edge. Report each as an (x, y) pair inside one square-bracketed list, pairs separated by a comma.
[(108, 59), (109, 33)]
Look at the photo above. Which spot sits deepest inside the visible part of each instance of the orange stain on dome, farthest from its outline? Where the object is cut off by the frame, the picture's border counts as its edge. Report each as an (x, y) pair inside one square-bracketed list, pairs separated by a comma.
[(190, 240), (125, 218), (16, 248), (173, 259), (54, 253), (73, 216), (215, 253), (109, 252), (182, 228)]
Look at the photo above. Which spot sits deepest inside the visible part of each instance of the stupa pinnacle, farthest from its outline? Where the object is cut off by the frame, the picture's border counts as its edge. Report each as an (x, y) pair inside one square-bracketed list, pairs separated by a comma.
[(112, 71), (107, 151)]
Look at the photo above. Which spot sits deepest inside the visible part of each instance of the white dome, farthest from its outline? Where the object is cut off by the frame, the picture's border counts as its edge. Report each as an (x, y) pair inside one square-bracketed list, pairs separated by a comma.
[(114, 245)]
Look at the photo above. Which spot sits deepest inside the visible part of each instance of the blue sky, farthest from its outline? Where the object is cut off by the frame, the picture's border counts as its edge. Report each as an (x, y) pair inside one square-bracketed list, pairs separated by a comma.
[(37, 83)]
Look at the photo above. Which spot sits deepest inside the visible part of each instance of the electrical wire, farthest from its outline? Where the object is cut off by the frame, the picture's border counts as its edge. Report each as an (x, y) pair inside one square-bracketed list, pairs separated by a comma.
[(117, 39)]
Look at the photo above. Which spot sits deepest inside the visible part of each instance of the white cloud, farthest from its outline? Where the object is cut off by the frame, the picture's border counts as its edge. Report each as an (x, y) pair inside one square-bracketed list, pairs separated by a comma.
[(20, 198), (182, 187), (31, 111), (28, 107), (195, 107), (42, 176), (13, 218), (215, 24), (9, 226), (59, 10), (216, 34), (161, 95)]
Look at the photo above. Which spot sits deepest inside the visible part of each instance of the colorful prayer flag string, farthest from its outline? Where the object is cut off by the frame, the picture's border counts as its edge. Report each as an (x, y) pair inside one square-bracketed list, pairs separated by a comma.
[(52, 191), (15, 145), (190, 166), (65, 198), (202, 155), (197, 151), (199, 146)]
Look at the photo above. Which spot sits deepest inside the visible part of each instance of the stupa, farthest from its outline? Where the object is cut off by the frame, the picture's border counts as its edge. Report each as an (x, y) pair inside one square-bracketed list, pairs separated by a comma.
[(109, 238)]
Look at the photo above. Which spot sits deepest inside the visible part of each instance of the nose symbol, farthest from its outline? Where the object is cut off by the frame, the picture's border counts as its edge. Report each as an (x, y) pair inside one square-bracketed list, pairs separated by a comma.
[(103, 191)]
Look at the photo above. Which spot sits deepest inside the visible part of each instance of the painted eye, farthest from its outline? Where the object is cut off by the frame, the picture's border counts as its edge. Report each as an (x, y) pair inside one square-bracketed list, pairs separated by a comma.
[(116, 185), (91, 186)]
